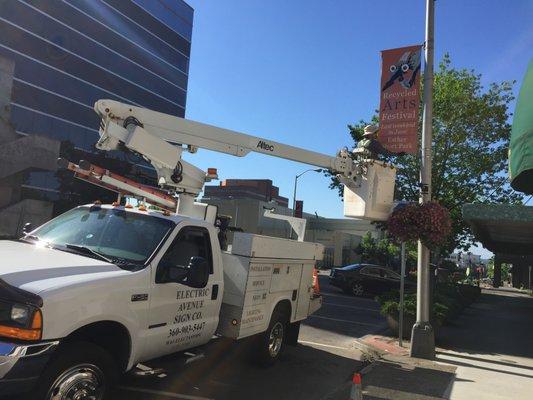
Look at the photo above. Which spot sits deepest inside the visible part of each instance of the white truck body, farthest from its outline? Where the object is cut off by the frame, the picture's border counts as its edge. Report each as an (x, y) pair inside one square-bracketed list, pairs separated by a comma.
[(237, 300), (261, 272)]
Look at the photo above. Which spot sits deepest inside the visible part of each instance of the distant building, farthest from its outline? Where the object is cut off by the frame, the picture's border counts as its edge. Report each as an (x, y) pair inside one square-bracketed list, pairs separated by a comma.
[(246, 200), (465, 260), (259, 189)]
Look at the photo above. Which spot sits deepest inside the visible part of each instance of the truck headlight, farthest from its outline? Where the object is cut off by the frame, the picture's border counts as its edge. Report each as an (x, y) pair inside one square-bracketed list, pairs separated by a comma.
[(20, 314), (19, 321)]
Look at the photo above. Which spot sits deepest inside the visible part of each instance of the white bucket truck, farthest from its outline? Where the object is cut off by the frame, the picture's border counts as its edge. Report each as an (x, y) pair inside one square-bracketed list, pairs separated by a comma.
[(102, 288)]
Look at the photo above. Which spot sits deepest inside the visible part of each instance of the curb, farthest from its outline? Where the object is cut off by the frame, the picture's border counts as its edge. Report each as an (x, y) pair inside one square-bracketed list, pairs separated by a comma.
[(371, 352)]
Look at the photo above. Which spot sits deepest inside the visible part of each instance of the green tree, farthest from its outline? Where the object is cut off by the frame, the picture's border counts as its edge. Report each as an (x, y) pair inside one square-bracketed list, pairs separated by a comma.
[(384, 252), (506, 268), (471, 134)]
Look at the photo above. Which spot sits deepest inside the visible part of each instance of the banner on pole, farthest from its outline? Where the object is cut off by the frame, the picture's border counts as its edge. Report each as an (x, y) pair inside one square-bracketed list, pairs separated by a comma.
[(400, 99)]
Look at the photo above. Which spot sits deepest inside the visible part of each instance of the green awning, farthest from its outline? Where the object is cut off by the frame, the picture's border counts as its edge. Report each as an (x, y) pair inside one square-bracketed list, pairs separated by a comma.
[(521, 146), (502, 228)]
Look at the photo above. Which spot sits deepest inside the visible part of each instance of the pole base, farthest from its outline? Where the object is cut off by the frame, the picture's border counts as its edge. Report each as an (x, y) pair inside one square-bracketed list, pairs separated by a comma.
[(423, 341)]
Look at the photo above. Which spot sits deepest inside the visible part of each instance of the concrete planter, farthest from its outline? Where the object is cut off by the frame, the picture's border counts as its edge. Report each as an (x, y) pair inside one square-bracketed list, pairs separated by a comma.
[(408, 322)]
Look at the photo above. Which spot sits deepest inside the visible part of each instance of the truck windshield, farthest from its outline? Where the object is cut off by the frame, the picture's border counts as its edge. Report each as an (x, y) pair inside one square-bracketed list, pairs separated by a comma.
[(116, 234)]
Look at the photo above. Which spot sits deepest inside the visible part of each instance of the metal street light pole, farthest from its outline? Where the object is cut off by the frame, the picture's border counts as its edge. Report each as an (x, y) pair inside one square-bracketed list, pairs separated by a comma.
[(402, 290), (422, 336), (295, 186)]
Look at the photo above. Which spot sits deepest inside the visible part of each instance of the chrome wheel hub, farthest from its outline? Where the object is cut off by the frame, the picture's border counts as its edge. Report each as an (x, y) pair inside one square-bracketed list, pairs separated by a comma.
[(82, 382), (276, 339)]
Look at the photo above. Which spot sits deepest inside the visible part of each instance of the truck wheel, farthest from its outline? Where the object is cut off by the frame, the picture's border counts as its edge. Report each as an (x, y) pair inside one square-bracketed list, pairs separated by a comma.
[(79, 370), (271, 343)]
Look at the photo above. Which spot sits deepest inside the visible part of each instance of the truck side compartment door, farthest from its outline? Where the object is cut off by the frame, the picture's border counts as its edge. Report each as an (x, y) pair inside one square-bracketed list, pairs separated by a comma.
[(304, 291), (184, 310)]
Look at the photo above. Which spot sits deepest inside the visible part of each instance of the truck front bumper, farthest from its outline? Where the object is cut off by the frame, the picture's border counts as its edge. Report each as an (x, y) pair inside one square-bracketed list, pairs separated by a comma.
[(21, 365)]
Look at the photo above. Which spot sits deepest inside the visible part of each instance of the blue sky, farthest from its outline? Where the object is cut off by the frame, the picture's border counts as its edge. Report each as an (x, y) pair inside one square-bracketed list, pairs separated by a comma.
[(299, 71)]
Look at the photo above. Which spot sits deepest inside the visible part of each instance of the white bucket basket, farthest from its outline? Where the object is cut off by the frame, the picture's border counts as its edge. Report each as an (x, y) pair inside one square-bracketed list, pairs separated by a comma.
[(372, 195)]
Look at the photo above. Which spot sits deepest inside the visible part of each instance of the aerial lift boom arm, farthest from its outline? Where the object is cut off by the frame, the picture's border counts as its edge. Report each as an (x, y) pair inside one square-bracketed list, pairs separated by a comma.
[(150, 133), (161, 139)]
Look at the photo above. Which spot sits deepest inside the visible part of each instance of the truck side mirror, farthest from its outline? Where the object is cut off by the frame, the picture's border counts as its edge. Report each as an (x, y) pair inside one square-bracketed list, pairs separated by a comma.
[(198, 272), (27, 228)]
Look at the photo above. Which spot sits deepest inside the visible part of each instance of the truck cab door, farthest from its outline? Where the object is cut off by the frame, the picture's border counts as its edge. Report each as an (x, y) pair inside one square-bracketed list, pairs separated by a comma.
[(186, 292)]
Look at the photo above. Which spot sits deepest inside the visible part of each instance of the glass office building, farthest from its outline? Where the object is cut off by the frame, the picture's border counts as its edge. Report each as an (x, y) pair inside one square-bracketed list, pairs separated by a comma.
[(69, 53)]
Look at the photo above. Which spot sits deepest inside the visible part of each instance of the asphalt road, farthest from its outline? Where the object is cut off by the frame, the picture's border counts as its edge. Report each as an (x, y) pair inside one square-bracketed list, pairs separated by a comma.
[(323, 362)]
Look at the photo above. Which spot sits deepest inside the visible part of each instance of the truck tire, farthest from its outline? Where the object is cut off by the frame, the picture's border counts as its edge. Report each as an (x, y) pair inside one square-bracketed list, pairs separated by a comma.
[(270, 343), (78, 370)]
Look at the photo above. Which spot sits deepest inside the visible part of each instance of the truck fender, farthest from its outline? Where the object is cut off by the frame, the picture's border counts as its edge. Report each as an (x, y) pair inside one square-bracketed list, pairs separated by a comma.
[(110, 335), (284, 303), (103, 325)]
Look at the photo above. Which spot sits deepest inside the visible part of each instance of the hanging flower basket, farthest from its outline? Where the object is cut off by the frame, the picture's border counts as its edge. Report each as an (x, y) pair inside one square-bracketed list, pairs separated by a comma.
[(429, 222)]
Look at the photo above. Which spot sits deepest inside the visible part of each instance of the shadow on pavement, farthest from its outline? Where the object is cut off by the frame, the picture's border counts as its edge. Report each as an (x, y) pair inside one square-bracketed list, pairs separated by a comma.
[(407, 381), (508, 363), (470, 365), (500, 322), (227, 373), (352, 329)]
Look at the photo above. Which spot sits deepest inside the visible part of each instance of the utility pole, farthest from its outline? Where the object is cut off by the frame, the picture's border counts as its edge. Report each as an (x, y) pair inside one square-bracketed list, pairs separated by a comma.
[(402, 290), (422, 336)]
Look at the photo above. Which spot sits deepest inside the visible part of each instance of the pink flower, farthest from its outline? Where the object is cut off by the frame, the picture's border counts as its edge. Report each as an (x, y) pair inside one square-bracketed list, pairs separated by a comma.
[(429, 222)]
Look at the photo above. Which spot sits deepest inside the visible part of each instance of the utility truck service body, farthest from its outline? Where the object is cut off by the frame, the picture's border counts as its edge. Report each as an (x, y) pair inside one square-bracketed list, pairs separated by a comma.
[(102, 288), (169, 287)]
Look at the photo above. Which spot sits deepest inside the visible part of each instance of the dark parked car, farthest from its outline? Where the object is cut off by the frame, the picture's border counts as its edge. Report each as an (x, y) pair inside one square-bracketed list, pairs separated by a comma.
[(362, 279)]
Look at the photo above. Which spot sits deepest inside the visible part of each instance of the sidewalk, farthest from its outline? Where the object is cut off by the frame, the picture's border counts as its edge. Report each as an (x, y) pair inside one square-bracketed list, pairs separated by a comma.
[(396, 376), (486, 354), (492, 347)]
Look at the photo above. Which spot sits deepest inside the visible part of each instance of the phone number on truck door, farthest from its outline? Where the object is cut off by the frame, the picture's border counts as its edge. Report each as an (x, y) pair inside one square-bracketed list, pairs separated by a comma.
[(185, 329)]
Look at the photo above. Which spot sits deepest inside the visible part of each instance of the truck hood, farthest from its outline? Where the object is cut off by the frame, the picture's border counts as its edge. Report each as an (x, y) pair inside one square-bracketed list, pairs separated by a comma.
[(36, 268)]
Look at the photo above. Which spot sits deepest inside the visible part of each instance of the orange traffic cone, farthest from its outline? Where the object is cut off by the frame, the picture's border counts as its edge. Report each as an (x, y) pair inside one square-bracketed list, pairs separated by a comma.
[(356, 392), (316, 286)]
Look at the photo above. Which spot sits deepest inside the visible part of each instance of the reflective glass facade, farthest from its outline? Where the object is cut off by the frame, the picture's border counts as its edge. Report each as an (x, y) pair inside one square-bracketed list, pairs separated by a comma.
[(70, 53)]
